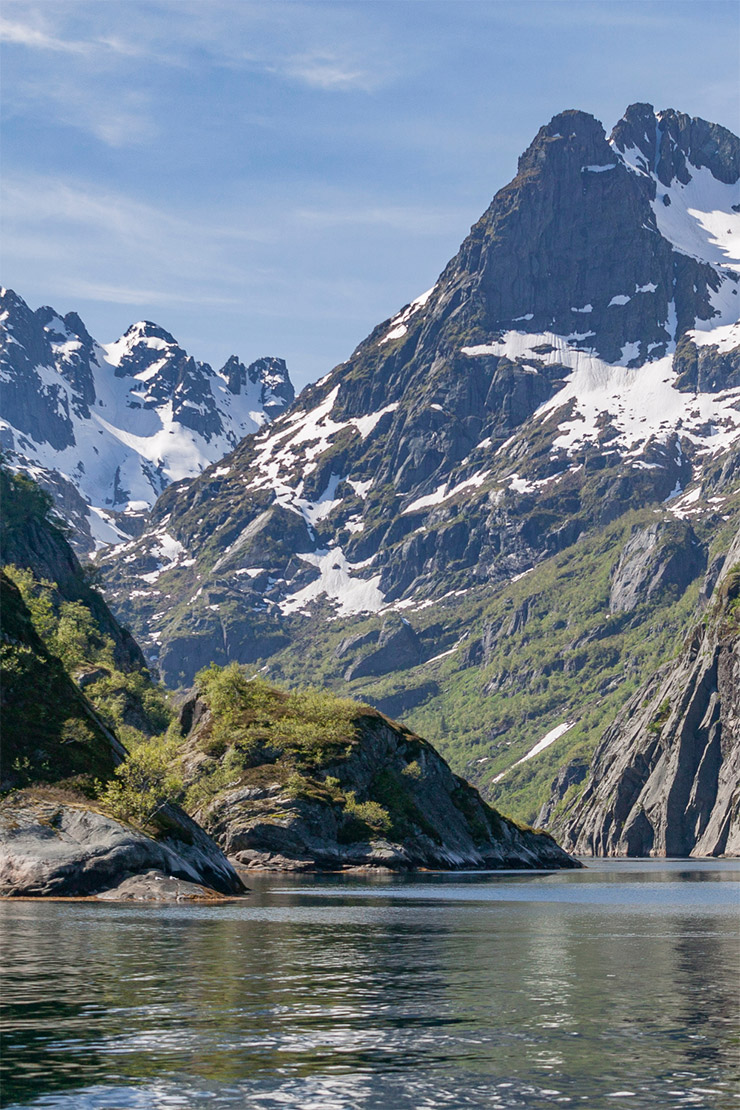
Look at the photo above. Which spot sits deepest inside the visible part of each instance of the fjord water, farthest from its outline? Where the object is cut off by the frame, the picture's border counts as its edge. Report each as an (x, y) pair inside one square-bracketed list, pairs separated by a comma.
[(613, 986)]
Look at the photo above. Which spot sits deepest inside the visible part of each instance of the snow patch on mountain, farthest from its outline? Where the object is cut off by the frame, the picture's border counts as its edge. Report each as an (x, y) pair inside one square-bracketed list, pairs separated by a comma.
[(445, 492), (640, 403), (696, 217), (399, 323), (352, 595)]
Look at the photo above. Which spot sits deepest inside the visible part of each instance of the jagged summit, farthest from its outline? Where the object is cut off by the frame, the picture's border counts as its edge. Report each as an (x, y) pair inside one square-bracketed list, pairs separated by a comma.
[(107, 427), (672, 144)]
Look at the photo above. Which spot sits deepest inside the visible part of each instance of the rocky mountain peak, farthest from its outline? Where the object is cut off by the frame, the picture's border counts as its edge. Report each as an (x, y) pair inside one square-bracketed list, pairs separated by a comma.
[(569, 135), (670, 145), (146, 329), (105, 428), (270, 373), (277, 389), (529, 396), (235, 373)]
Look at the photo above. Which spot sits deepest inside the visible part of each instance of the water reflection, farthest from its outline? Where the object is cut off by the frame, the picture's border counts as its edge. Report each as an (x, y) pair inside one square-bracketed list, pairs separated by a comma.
[(437, 991)]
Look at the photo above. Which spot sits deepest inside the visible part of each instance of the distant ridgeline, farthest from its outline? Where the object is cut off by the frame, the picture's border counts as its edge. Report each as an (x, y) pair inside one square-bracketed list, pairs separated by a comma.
[(105, 428), (93, 750)]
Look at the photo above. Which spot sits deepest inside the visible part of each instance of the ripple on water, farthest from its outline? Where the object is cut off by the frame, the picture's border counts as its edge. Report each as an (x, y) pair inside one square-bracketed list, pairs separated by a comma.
[(602, 988)]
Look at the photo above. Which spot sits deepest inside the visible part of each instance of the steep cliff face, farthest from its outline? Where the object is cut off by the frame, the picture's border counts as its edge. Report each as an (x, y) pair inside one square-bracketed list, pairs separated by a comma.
[(665, 779), (105, 428), (50, 730), (30, 540), (310, 782)]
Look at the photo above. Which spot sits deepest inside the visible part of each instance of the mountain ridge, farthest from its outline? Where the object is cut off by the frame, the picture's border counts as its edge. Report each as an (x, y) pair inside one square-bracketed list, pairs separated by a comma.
[(439, 404), (107, 427)]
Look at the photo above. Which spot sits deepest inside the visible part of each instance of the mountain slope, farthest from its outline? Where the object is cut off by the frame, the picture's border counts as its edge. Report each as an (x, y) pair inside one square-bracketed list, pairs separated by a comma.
[(576, 362), (106, 428)]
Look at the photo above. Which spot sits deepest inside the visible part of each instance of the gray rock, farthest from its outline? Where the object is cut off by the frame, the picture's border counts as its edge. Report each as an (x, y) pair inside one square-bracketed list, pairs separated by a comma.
[(156, 886), (398, 647), (61, 848), (659, 557), (571, 775)]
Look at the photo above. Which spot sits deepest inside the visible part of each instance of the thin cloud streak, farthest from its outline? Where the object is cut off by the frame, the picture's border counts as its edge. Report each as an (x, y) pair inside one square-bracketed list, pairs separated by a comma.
[(22, 34)]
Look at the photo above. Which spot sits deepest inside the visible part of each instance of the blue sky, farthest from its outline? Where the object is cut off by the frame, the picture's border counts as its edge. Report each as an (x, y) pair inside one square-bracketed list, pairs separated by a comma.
[(277, 178)]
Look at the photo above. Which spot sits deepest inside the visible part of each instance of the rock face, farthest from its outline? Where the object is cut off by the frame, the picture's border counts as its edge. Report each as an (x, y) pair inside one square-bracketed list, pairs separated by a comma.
[(660, 557), (50, 730), (31, 541), (57, 848), (106, 428), (665, 779), (576, 360), (385, 800)]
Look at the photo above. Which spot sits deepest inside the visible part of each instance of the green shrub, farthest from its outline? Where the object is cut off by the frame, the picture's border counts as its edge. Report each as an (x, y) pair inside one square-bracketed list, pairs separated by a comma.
[(145, 782), (660, 718), (310, 727), (372, 814)]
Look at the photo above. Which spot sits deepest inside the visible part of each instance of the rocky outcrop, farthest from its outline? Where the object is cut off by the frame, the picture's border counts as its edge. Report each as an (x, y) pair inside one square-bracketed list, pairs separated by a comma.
[(665, 779), (58, 848), (387, 799), (571, 775), (661, 557), (397, 646), (155, 886)]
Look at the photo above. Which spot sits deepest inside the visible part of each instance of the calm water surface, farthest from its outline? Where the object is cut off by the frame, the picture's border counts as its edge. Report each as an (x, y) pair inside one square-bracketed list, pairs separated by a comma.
[(612, 987)]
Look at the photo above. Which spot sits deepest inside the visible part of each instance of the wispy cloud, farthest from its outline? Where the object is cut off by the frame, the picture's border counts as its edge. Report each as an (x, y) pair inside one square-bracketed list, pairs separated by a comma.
[(137, 295), (415, 219), (16, 33), (38, 32), (83, 234), (330, 72), (117, 117)]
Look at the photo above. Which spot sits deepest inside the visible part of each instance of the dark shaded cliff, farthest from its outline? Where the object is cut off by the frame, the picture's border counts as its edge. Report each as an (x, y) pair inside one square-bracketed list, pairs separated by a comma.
[(665, 779)]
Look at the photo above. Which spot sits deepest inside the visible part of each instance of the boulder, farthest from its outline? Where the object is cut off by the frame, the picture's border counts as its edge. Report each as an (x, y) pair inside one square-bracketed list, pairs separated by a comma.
[(155, 886), (51, 847)]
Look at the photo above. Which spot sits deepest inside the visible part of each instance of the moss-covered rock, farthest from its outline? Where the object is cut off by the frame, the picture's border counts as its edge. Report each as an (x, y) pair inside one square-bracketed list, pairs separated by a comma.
[(307, 781)]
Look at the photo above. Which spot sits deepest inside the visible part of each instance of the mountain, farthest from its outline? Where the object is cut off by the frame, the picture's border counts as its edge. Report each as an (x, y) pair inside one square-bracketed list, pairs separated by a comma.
[(665, 778), (106, 428), (494, 518)]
